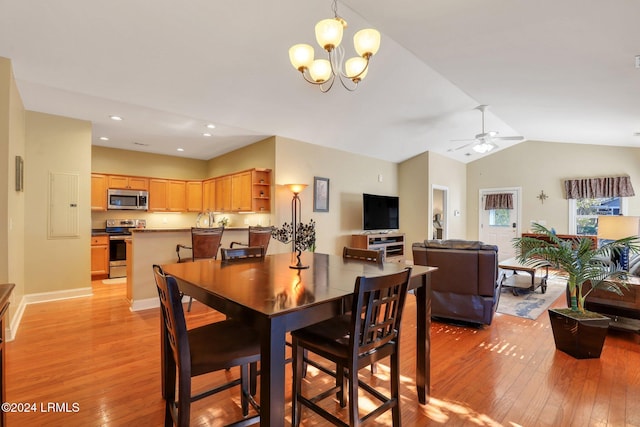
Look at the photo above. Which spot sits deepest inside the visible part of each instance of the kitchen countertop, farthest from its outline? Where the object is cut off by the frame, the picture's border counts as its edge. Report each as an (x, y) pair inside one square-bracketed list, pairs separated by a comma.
[(155, 230)]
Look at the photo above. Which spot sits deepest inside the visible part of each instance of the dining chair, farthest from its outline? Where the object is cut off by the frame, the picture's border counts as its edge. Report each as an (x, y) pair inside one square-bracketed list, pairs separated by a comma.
[(357, 254), (364, 255), (190, 353), (258, 236), (248, 252), (205, 243), (370, 332)]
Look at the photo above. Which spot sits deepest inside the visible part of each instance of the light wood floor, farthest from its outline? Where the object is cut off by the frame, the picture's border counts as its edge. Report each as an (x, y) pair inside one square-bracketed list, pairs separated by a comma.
[(102, 361)]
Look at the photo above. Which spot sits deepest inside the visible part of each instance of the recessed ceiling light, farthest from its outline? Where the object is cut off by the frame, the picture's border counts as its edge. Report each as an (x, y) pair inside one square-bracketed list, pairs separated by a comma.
[(206, 134), (211, 126), (104, 138), (117, 118), (180, 149)]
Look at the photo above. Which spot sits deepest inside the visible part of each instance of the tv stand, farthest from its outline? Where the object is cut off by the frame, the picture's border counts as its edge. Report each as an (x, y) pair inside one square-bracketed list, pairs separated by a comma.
[(391, 243)]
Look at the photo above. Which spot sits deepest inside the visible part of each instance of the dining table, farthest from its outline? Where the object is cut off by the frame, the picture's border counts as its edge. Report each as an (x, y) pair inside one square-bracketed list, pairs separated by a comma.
[(276, 298)]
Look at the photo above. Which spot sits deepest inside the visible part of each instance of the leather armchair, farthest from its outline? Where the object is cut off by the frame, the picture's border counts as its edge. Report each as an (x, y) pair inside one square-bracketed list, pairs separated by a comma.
[(465, 287)]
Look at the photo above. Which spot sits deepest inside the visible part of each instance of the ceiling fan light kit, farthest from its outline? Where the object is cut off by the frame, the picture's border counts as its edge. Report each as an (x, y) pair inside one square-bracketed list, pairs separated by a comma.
[(323, 72)]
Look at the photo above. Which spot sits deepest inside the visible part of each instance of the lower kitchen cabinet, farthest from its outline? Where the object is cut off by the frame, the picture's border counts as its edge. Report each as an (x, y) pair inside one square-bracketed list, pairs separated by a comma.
[(99, 257)]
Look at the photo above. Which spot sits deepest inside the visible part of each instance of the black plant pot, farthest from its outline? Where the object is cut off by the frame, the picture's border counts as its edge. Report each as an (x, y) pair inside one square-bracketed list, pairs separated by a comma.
[(580, 338)]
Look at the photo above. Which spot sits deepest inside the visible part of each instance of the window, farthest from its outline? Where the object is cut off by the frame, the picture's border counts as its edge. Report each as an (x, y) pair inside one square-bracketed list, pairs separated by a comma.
[(583, 213), (499, 218)]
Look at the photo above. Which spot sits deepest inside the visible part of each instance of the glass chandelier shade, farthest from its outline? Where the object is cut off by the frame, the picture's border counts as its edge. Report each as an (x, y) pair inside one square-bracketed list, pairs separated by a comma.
[(484, 147), (323, 72)]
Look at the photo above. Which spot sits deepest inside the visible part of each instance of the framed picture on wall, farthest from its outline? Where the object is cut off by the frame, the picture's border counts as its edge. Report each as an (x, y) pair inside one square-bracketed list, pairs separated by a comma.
[(320, 194)]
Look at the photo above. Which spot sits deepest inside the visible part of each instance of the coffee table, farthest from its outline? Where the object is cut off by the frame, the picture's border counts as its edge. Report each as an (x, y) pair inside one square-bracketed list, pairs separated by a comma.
[(537, 276)]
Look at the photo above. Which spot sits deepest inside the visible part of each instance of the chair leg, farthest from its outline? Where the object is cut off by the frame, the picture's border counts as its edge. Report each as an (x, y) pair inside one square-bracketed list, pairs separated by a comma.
[(184, 400), (244, 389), (297, 366), (253, 378), (341, 383), (190, 302), (395, 388), (354, 418)]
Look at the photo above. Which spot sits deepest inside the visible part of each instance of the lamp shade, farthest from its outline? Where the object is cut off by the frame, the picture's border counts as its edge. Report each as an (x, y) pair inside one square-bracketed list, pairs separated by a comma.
[(301, 56), (618, 227), (367, 42), (320, 70), (356, 68), (296, 188), (329, 33)]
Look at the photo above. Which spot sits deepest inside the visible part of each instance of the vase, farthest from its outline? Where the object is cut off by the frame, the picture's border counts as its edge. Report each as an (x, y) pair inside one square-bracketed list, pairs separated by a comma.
[(581, 338)]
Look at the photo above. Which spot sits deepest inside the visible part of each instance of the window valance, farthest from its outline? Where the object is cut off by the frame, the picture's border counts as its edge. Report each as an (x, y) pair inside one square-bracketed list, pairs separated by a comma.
[(592, 188), (498, 201)]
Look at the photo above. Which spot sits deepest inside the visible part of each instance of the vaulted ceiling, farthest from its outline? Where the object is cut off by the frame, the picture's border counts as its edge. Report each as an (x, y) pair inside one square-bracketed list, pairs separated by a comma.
[(550, 71)]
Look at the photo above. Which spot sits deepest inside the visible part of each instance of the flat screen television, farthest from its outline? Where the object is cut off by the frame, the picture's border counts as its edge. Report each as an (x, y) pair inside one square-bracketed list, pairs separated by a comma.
[(380, 212)]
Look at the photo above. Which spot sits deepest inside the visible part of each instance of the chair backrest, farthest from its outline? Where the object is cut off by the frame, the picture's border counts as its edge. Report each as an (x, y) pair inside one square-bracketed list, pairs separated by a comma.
[(174, 325), (247, 252), (260, 236), (367, 255), (377, 311), (205, 242)]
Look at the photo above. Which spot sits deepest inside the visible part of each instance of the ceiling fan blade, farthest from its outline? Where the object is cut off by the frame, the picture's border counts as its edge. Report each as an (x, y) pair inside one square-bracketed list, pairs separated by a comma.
[(462, 140), (508, 138), (461, 147)]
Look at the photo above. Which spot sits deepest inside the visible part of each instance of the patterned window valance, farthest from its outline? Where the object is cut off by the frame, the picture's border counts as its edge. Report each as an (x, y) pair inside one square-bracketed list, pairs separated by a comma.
[(592, 188), (498, 201)]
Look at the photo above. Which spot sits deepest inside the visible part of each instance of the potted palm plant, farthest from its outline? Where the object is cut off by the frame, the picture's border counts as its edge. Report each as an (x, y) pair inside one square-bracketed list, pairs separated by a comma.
[(577, 331)]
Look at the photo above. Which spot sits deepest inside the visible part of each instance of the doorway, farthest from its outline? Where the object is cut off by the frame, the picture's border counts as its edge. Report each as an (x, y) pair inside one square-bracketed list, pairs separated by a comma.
[(439, 217), (499, 226)]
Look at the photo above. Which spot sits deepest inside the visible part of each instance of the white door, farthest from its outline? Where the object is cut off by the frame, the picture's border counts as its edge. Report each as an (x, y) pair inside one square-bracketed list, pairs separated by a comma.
[(500, 226)]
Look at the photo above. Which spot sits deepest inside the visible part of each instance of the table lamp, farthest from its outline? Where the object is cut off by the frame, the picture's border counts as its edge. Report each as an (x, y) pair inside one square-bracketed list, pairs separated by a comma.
[(612, 227)]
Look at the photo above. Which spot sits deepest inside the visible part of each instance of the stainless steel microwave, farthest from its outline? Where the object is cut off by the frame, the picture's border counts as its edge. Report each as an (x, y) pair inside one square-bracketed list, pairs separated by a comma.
[(127, 199)]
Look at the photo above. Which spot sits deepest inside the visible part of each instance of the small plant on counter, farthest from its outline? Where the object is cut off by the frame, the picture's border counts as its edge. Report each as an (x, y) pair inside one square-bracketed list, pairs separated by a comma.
[(223, 222)]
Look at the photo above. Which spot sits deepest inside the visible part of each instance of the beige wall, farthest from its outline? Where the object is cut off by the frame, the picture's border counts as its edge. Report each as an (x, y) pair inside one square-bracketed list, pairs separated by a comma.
[(56, 264), (12, 144), (349, 175), (259, 155), (417, 176), (535, 166)]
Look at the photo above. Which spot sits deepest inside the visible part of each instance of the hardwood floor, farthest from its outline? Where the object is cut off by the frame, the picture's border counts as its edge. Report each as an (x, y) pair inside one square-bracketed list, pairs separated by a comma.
[(99, 363)]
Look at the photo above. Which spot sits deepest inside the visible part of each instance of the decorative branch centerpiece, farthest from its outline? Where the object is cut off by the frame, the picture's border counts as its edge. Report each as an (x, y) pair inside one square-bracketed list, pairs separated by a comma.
[(302, 237)]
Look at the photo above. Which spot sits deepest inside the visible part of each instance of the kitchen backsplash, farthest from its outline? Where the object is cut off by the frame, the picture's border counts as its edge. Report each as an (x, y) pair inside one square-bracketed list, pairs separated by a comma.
[(177, 220)]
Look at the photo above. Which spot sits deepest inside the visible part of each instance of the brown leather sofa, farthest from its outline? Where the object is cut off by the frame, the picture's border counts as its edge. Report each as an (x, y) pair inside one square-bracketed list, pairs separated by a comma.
[(465, 287)]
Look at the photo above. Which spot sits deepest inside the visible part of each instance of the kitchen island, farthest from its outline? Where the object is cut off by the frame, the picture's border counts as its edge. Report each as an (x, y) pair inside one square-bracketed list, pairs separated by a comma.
[(158, 246)]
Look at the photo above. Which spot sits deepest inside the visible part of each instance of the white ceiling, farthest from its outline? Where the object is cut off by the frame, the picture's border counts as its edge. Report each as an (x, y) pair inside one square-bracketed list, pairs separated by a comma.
[(551, 71)]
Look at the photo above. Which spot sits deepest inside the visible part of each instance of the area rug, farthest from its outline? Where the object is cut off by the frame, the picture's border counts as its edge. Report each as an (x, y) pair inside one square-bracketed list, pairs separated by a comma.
[(530, 305), (117, 281)]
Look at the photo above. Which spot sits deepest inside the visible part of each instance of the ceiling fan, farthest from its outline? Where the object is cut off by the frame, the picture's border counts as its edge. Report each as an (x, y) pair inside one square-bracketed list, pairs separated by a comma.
[(485, 141)]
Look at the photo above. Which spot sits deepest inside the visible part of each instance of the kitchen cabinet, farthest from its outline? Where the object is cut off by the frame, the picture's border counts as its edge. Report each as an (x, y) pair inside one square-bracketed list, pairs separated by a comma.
[(99, 257), (209, 195), (194, 196), (98, 192), (241, 192), (128, 182), (223, 193), (167, 195)]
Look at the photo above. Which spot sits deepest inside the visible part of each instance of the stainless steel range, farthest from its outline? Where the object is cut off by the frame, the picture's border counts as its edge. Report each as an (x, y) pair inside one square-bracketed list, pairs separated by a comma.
[(119, 230)]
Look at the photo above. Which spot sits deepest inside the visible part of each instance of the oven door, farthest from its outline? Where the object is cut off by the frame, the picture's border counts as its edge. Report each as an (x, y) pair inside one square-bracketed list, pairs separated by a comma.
[(117, 257)]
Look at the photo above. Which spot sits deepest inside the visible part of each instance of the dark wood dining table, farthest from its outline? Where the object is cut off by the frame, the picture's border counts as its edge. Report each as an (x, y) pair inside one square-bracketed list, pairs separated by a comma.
[(277, 299)]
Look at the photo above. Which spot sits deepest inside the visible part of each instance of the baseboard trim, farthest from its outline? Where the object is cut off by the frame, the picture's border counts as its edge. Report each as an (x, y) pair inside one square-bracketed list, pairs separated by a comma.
[(12, 330), (144, 304)]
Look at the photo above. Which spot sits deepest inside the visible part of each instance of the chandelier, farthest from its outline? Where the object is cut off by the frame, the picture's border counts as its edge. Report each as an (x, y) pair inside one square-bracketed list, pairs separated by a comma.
[(323, 72)]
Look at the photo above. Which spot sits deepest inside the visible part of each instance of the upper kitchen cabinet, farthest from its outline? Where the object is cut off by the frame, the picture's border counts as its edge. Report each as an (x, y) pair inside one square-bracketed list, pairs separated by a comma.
[(223, 193), (128, 182), (167, 195), (194, 196), (241, 192), (209, 195), (98, 192)]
